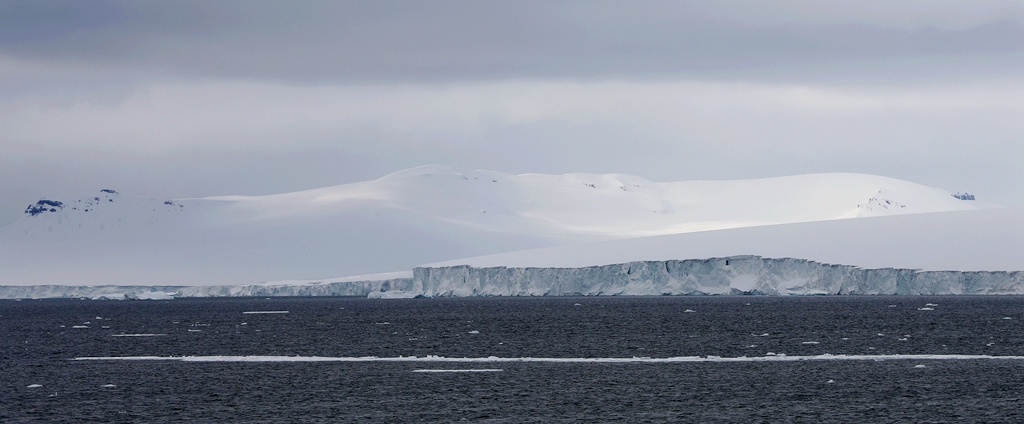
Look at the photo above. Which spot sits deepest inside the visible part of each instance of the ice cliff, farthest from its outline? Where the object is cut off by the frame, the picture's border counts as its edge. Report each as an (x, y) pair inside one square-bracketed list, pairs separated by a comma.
[(736, 275), (716, 276)]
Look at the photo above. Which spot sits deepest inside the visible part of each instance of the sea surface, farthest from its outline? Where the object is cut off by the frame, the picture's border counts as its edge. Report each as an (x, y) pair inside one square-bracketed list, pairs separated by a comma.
[(562, 359)]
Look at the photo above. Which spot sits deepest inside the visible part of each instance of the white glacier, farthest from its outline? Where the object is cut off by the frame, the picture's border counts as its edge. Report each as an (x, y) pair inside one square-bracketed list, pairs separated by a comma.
[(586, 234)]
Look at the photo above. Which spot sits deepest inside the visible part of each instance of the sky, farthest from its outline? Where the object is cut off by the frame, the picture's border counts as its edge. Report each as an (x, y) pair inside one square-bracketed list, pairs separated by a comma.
[(177, 99)]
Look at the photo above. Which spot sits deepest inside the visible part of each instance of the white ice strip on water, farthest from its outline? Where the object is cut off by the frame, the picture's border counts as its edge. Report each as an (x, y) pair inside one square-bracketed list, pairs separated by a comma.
[(465, 370), (137, 335), (431, 358), (265, 312)]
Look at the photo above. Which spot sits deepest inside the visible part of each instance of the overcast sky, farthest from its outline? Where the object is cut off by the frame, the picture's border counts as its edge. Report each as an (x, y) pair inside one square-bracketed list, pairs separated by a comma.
[(187, 99)]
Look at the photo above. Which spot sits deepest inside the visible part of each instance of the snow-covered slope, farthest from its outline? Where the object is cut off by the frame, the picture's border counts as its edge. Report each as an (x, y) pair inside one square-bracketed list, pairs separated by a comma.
[(964, 252), (979, 240), (411, 217)]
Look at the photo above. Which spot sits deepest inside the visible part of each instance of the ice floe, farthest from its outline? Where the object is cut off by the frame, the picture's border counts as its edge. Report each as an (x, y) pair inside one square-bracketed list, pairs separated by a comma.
[(265, 312), (465, 370), (34, 386), (140, 335), (769, 357)]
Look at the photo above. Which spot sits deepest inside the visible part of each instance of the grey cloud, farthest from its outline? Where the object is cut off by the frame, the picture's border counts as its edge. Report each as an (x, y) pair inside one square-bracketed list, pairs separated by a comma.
[(397, 41)]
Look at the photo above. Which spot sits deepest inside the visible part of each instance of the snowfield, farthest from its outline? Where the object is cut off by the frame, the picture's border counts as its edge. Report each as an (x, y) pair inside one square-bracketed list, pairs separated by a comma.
[(231, 245)]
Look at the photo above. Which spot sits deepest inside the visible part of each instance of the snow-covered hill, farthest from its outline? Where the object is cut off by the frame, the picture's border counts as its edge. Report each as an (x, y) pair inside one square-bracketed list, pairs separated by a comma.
[(415, 216)]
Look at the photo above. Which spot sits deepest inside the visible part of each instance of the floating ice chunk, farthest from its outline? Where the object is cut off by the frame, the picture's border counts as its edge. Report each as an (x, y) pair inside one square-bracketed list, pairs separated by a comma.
[(1007, 318), (892, 306), (925, 309), (751, 346), (770, 354), (830, 381), (382, 323), (931, 304), (846, 338), (464, 370), (79, 326), (109, 386), (902, 339), (98, 318), (34, 386), (140, 335), (810, 343), (474, 332), (393, 294), (576, 304), (689, 310), (989, 344), (920, 366), (197, 331), (881, 335), (265, 312)]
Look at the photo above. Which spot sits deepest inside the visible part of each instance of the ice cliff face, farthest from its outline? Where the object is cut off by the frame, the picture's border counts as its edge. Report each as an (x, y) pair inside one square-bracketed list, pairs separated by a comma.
[(717, 276), (351, 288), (737, 275)]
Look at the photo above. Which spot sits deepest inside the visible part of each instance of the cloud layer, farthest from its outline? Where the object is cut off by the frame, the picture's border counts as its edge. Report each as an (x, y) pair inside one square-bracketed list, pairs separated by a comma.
[(197, 98)]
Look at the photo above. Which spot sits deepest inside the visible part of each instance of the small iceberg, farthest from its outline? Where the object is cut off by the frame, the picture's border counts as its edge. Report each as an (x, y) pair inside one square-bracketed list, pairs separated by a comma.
[(34, 386), (265, 312), (919, 366), (474, 332), (810, 343), (109, 386), (689, 310), (925, 309)]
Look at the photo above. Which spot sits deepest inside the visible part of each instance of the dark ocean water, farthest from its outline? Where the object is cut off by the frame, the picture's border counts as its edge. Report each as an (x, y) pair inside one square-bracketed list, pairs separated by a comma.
[(38, 344)]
